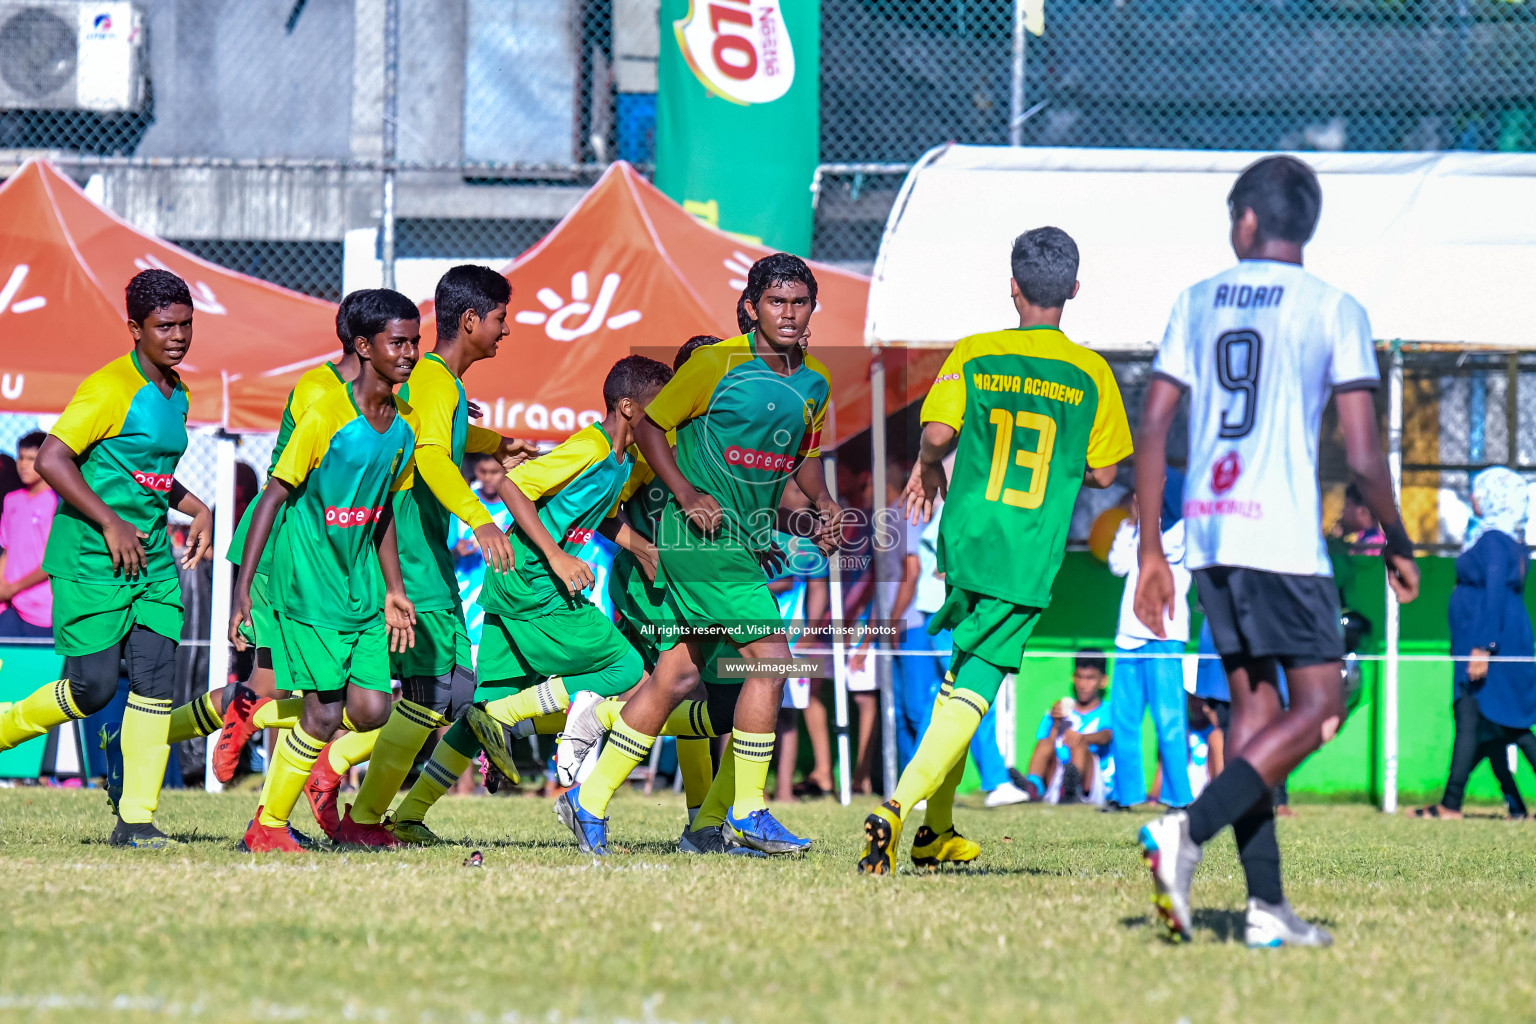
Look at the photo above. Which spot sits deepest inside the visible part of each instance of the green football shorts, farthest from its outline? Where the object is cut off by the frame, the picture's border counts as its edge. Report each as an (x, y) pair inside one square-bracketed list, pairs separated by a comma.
[(715, 584), (985, 627), (92, 617), (578, 644), (442, 644), (324, 659), (648, 620)]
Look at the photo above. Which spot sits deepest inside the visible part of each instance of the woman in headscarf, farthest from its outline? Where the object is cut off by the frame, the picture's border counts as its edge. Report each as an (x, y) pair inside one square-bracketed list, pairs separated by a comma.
[(1494, 701)]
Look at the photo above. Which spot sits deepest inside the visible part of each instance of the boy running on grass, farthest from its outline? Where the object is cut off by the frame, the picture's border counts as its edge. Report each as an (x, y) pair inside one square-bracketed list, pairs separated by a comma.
[(111, 458), (243, 711), (1260, 348), (437, 676), (748, 413), (542, 640), (335, 622), (1035, 418)]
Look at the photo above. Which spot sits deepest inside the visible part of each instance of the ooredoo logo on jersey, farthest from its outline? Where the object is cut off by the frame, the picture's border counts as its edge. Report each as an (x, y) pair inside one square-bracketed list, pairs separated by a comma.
[(154, 481), (739, 49), (344, 517)]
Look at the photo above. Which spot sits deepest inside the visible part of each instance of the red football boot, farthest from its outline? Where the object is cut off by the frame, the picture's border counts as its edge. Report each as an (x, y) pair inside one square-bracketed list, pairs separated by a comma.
[(261, 838), (351, 833), (323, 788), (238, 731)]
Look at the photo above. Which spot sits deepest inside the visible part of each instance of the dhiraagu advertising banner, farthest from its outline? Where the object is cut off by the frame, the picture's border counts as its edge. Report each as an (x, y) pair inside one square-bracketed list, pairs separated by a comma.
[(737, 115)]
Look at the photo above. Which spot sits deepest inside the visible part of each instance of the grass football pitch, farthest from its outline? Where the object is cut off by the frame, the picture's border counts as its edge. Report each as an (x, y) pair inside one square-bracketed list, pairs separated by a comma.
[(1433, 921)]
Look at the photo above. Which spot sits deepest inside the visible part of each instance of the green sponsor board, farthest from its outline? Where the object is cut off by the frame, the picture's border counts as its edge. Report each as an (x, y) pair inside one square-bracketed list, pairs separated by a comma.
[(738, 119)]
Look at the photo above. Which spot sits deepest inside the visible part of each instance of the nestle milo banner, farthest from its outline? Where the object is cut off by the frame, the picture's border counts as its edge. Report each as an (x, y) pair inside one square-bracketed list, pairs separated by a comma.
[(737, 118)]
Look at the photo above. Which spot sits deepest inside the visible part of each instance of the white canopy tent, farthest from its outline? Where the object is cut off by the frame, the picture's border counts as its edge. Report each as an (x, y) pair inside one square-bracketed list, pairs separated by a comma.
[(1438, 247)]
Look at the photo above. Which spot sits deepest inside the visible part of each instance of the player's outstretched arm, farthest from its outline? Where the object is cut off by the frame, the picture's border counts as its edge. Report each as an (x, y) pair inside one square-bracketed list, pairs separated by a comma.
[(1368, 463), (1155, 593), (575, 574), (200, 532), (262, 517), (56, 465), (436, 468), (928, 482), (399, 612), (617, 529)]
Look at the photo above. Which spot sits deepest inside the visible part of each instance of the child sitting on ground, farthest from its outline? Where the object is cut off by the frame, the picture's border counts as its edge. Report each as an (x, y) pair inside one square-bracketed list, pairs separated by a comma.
[(1071, 761)]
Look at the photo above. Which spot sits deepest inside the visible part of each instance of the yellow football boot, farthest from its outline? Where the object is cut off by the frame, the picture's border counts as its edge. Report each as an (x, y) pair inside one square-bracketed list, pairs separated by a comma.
[(882, 835), (930, 848)]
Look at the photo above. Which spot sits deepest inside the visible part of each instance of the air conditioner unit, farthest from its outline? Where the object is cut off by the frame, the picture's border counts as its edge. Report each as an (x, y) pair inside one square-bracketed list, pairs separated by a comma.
[(73, 55)]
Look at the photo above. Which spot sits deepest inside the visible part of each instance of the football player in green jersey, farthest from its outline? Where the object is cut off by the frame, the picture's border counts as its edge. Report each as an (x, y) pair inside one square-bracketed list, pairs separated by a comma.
[(748, 413), (437, 676), (337, 587), (1032, 418), (111, 458)]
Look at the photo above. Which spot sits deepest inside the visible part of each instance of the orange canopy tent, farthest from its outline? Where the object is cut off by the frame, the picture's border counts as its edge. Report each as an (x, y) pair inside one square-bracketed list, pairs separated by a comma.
[(64, 262), (628, 270)]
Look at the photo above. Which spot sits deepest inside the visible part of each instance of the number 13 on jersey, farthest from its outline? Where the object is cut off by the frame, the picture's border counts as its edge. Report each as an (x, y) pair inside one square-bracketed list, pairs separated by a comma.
[(1037, 459)]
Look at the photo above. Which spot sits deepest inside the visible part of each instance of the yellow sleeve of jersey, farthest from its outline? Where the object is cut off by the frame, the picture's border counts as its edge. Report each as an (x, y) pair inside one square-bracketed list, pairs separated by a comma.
[(434, 398), (311, 387), (946, 398), (307, 445), (686, 396), (1110, 440), (810, 445), (96, 412), (442, 477), (639, 476), (481, 440), (407, 478), (546, 474)]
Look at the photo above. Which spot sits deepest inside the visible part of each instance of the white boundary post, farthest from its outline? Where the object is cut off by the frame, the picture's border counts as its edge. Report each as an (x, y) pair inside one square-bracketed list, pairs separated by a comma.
[(835, 615), (219, 603), (1394, 617), (884, 674)]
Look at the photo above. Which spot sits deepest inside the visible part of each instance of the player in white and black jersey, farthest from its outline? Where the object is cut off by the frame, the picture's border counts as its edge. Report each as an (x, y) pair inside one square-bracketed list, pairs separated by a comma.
[(1260, 348)]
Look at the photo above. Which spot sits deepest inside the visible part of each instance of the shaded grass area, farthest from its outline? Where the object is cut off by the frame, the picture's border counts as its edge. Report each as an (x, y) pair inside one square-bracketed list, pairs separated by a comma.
[(1433, 921)]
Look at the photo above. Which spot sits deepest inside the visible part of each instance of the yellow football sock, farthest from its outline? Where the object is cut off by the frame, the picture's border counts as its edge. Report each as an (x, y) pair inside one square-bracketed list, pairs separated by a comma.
[(753, 754), (689, 719), (400, 740), (949, 734), (279, 714), (608, 712), (296, 754), (45, 708), (625, 750), (722, 790), (940, 815), (547, 698), (198, 717), (698, 770), (351, 749), (146, 726), (550, 725), (448, 763)]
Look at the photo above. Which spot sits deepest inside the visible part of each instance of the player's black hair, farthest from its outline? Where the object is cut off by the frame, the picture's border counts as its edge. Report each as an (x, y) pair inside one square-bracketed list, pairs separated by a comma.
[(343, 329), (1091, 658), (1283, 194), (780, 268), (464, 288), (1045, 266), (373, 309), (697, 341), (32, 440), (154, 289), (744, 323), (634, 377)]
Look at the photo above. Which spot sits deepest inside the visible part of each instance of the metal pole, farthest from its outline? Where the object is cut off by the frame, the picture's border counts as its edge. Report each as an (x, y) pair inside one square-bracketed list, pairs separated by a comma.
[(218, 614), (1512, 409), (835, 616), (1390, 666), (391, 109), (882, 611), (1016, 95)]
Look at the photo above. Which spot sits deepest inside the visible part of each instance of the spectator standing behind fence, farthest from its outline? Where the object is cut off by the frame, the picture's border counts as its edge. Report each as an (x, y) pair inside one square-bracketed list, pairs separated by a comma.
[(1494, 702), (468, 562), (26, 517), (1149, 672)]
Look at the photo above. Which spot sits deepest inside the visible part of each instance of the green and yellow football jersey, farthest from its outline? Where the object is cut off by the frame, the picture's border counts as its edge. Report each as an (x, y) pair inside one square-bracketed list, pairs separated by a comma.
[(127, 438), (422, 511), (325, 565), (1034, 411), (742, 428), (575, 487), (315, 382)]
